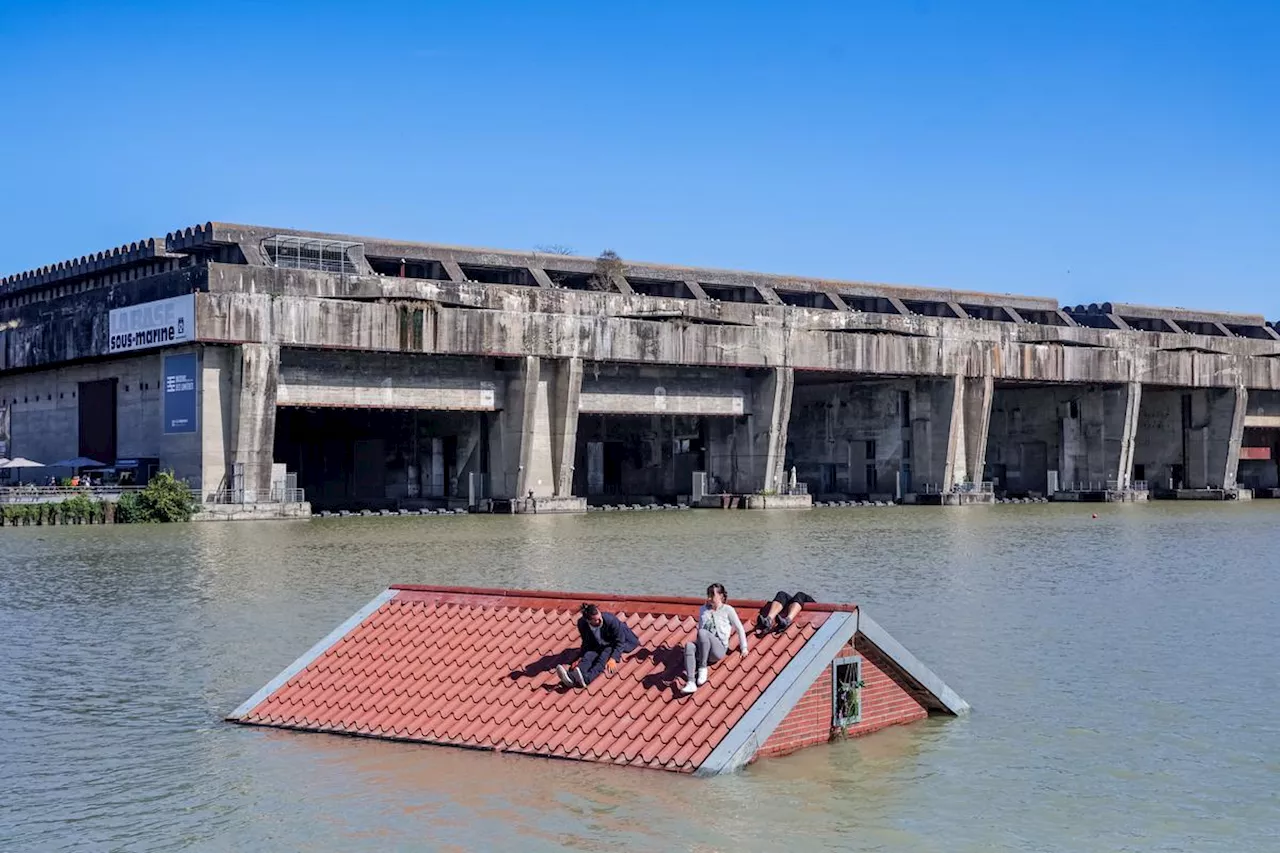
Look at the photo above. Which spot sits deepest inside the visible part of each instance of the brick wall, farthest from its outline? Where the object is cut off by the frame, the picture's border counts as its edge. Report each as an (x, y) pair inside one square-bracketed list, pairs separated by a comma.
[(886, 701)]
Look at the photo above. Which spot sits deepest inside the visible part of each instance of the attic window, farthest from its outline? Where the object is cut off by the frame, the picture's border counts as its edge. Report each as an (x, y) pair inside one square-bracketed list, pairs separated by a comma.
[(846, 691)]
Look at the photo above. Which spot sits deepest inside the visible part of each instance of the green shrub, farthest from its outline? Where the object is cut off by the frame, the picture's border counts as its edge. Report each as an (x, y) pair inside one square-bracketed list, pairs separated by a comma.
[(128, 509), (78, 509), (164, 499)]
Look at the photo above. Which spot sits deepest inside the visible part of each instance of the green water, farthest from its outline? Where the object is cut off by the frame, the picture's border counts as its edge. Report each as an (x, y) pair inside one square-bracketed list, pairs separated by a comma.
[(1122, 673)]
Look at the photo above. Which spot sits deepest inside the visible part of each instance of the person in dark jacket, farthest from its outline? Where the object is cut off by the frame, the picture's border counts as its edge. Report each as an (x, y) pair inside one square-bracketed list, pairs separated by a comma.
[(605, 639)]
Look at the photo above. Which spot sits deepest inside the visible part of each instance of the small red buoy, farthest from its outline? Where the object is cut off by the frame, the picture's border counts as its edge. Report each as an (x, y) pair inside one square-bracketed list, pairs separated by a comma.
[(1095, 515)]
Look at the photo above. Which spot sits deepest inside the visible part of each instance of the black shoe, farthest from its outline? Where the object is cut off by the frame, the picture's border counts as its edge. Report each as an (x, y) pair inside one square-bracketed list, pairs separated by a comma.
[(783, 624), (764, 624)]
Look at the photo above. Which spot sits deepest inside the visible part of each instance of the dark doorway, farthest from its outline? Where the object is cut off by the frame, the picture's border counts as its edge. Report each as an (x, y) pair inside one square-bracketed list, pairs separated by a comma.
[(97, 422)]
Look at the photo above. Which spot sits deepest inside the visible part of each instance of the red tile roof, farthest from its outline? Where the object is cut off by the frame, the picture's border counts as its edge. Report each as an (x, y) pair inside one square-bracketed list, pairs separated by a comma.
[(475, 668)]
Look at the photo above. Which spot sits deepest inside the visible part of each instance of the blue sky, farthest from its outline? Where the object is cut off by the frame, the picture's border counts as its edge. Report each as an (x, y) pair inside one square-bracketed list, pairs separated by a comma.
[(1087, 151)]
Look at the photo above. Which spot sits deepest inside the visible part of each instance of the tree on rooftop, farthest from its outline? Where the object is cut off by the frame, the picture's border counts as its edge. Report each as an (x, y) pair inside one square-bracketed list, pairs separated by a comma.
[(608, 268)]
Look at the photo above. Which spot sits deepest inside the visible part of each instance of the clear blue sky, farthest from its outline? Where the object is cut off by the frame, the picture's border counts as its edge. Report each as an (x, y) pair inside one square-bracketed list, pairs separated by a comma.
[(1088, 151)]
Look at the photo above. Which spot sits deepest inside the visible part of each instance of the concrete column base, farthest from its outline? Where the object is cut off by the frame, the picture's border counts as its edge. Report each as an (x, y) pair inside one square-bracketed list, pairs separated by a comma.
[(1208, 495), (726, 501), (540, 506), (951, 499), (1103, 496), (254, 512)]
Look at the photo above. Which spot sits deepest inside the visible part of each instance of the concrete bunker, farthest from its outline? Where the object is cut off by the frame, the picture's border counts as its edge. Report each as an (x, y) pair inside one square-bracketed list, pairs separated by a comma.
[(914, 439), (1188, 440), (389, 431), (385, 458), (1061, 441), (644, 432)]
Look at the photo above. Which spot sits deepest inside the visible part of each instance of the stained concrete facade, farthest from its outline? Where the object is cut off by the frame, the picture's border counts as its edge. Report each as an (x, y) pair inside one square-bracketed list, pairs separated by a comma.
[(389, 373)]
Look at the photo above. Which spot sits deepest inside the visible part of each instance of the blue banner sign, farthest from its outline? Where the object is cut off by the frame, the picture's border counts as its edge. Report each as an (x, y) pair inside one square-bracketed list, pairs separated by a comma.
[(180, 373)]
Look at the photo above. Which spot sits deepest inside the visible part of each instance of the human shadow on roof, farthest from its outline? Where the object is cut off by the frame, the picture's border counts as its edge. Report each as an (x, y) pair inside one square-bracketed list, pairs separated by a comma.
[(544, 664), (671, 661)]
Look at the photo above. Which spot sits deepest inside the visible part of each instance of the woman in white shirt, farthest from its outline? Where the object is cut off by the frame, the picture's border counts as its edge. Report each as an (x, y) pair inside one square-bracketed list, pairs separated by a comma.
[(712, 643)]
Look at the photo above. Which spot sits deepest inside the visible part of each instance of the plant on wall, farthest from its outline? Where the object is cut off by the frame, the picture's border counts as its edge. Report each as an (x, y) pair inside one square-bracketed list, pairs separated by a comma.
[(848, 698)]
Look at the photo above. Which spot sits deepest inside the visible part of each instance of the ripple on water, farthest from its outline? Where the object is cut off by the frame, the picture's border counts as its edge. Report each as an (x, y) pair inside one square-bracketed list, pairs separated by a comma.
[(1119, 669)]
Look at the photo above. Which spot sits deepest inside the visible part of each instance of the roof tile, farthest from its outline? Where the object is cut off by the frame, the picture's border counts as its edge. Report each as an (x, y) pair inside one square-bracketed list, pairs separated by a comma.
[(475, 668)]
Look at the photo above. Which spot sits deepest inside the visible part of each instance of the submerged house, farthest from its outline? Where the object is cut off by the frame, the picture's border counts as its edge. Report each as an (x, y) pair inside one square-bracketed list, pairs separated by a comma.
[(475, 668)]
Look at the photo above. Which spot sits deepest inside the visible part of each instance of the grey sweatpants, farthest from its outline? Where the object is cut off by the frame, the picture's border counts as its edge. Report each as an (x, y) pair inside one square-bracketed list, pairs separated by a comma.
[(706, 650)]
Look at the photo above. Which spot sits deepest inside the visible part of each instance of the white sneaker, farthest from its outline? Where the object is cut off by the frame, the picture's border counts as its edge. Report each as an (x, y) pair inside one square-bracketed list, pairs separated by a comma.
[(702, 675), (689, 687), (563, 675)]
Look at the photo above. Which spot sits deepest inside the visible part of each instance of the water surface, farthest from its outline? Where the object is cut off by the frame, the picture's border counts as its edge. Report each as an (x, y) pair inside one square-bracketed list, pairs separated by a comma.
[(1122, 671)]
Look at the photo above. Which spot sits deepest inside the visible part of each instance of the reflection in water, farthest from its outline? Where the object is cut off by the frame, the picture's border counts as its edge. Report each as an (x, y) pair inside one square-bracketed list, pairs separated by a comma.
[(1120, 670)]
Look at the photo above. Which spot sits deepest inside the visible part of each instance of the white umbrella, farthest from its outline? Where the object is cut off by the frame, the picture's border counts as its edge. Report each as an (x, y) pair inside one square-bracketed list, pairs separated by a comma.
[(21, 462)]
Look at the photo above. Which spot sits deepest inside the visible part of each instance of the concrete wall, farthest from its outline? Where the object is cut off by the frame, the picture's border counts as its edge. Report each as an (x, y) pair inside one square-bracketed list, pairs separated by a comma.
[(1190, 438), (1085, 433), (627, 389), (389, 381), (909, 421), (74, 326), (616, 328), (44, 414)]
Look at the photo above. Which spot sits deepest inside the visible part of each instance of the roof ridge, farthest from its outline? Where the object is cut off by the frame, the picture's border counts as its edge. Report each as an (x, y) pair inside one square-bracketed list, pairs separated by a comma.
[(522, 596)]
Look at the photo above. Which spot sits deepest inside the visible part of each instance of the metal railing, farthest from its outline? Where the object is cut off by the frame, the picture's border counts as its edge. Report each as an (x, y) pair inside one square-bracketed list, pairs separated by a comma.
[(274, 495), (1104, 486), (986, 487), (54, 494), (797, 489)]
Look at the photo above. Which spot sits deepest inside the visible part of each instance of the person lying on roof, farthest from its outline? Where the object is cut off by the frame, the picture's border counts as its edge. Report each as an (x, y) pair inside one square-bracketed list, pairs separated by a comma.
[(777, 615), (712, 641), (605, 639)]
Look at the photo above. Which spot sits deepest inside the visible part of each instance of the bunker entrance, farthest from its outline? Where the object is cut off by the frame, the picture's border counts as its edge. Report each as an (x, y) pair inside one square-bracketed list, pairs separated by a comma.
[(648, 458), (1031, 429), (384, 458), (1260, 461)]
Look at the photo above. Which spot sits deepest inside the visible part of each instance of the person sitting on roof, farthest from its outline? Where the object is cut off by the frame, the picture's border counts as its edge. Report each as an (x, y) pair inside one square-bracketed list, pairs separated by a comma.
[(778, 614), (712, 643), (605, 639)]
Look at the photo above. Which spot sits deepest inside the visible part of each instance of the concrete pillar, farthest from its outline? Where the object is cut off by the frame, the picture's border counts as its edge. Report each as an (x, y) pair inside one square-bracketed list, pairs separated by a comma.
[(1098, 430), (255, 376), (539, 428), (978, 394), (936, 434), (1129, 432), (1213, 441), (567, 388), (950, 419), (765, 439), (217, 371)]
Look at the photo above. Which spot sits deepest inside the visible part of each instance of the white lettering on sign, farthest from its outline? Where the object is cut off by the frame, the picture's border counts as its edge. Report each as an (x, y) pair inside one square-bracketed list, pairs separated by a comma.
[(152, 324), (179, 382)]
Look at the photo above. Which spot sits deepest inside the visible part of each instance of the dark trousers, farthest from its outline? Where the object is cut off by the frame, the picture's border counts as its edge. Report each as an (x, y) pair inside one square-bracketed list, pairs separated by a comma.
[(592, 663), (801, 598)]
